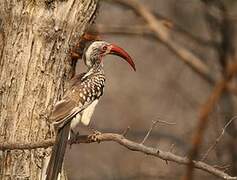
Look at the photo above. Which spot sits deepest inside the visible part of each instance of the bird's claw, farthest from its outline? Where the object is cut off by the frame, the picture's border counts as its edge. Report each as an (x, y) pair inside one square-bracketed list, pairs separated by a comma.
[(94, 137), (97, 132)]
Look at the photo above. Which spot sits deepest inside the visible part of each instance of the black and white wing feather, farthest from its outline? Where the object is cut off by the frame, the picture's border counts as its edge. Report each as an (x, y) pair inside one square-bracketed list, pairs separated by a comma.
[(83, 92)]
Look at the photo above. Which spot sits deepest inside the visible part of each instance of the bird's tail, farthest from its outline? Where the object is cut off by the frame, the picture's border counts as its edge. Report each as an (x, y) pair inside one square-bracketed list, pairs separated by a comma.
[(59, 148)]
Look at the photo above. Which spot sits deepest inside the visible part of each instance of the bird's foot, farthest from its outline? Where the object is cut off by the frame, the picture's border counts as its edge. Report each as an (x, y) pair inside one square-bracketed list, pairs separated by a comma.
[(94, 137)]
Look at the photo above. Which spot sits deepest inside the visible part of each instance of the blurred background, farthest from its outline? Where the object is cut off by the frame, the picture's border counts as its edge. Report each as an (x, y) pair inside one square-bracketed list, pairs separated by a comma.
[(163, 88)]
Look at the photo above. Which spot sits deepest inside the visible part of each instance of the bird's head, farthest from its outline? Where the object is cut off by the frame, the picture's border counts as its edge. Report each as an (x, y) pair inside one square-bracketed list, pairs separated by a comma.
[(95, 52)]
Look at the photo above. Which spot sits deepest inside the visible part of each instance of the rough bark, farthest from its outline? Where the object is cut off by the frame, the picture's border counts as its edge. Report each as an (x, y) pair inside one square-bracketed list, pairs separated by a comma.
[(35, 38)]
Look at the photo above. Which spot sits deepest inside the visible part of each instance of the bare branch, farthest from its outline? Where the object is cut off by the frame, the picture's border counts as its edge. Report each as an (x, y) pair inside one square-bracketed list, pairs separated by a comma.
[(218, 139), (167, 156), (144, 30), (163, 33), (137, 30), (223, 167), (204, 113), (157, 27), (26, 146)]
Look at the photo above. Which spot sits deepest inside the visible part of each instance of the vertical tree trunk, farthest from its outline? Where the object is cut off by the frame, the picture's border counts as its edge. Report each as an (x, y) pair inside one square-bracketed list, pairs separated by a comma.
[(35, 38)]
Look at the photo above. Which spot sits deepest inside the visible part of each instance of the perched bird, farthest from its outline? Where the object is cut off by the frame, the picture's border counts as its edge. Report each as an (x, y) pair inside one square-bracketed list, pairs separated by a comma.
[(78, 103)]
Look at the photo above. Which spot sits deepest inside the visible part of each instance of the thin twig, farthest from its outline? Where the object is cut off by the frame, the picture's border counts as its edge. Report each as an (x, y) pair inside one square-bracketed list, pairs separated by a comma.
[(154, 123), (172, 147), (170, 150), (166, 122), (126, 131), (149, 132), (204, 114), (133, 146), (217, 139)]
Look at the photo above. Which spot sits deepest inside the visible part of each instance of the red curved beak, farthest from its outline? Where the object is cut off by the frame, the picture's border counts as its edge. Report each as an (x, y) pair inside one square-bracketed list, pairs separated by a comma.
[(123, 54)]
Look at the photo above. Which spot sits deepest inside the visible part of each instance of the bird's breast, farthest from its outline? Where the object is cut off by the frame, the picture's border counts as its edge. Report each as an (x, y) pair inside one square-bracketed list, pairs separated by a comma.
[(92, 89)]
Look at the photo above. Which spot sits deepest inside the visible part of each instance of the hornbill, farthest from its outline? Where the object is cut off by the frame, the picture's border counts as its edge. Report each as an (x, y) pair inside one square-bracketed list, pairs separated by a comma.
[(78, 103)]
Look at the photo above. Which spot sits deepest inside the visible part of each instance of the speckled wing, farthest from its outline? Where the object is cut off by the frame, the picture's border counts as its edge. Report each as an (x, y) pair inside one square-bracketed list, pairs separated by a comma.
[(71, 103), (62, 115), (82, 93), (62, 109)]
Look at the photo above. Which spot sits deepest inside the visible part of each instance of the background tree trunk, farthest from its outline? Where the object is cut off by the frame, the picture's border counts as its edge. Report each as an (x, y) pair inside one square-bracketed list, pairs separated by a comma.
[(35, 38)]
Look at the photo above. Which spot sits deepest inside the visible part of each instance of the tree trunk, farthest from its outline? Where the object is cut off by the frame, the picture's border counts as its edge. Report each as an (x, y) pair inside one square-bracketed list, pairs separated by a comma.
[(35, 40)]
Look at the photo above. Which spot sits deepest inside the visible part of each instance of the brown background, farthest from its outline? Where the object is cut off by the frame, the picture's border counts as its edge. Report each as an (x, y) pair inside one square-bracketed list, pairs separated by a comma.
[(162, 88)]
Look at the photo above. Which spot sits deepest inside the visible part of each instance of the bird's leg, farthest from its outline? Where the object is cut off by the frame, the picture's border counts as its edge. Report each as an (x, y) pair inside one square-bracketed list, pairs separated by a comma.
[(73, 137), (73, 134), (95, 131)]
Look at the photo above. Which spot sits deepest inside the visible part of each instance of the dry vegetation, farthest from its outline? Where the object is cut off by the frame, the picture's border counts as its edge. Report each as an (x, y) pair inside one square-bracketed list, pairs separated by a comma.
[(179, 105)]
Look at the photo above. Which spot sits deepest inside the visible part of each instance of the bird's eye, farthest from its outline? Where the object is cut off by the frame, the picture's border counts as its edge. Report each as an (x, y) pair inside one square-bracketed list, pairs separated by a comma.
[(104, 48)]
